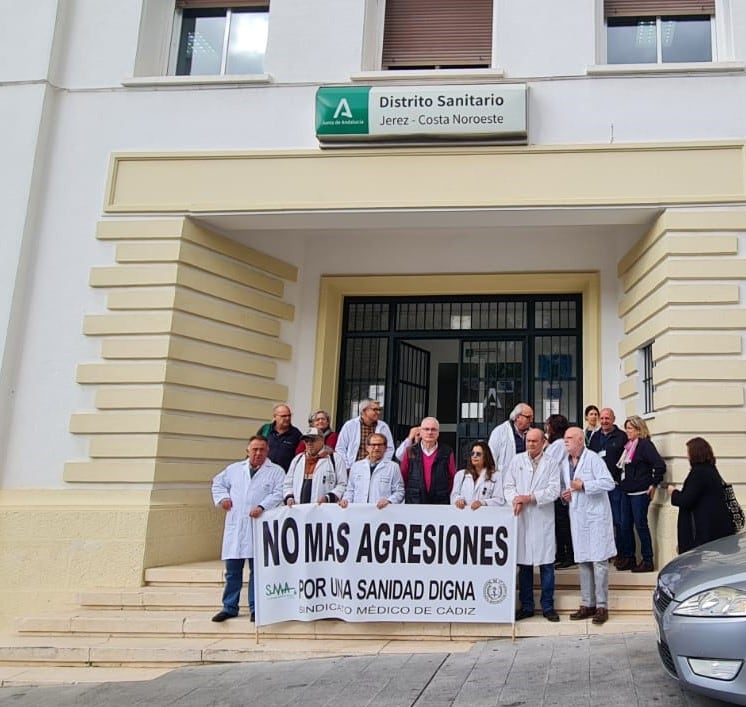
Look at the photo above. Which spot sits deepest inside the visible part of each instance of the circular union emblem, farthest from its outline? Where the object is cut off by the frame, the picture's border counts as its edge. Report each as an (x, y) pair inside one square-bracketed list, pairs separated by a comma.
[(495, 590)]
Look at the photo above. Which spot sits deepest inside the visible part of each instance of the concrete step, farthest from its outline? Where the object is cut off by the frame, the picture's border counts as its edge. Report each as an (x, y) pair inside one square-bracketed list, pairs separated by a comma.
[(179, 624), (169, 652), (188, 599), (210, 573)]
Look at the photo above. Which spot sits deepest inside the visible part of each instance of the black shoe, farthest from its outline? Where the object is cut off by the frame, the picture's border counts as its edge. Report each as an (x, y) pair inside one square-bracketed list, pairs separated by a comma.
[(552, 616), (222, 616), (523, 614), (253, 617), (563, 564)]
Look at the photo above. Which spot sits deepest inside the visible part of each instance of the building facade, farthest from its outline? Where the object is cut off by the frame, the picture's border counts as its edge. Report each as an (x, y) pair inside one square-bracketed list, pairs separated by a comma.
[(181, 250)]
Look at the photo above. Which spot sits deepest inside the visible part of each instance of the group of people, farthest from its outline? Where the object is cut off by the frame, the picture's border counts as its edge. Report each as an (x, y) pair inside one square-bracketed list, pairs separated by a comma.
[(578, 494)]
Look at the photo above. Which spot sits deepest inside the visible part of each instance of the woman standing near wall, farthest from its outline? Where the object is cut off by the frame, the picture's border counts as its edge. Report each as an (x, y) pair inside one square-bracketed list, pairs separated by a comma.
[(642, 470), (703, 515)]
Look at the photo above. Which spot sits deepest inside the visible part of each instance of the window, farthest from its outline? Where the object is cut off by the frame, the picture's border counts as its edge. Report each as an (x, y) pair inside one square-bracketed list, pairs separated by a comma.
[(437, 34), (221, 38), (646, 366), (659, 31)]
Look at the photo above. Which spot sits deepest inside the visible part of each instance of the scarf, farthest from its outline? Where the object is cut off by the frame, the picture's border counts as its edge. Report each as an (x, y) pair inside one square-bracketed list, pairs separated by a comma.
[(628, 453)]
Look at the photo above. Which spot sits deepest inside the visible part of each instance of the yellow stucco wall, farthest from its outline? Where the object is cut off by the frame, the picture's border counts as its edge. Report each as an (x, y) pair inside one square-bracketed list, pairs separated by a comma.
[(682, 292)]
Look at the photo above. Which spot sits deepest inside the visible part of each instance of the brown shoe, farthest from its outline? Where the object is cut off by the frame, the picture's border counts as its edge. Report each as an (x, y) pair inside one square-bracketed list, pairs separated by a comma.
[(601, 617), (584, 612), (644, 567), (624, 564)]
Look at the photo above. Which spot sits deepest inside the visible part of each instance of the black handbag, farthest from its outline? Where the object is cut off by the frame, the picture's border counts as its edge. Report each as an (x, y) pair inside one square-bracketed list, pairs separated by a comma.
[(734, 507)]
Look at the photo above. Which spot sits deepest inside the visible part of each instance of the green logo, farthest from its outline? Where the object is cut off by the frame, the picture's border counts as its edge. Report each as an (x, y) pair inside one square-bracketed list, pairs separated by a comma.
[(278, 591), (342, 111)]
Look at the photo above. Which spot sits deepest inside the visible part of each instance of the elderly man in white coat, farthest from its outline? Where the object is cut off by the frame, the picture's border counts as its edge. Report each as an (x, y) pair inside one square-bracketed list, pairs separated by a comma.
[(586, 482), (509, 438), (316, 475), (532, 483), (244, 490), (374, 479), (351, 442)]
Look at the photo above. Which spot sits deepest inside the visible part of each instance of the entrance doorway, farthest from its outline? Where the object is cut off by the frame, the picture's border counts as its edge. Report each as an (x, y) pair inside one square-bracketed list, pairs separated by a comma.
[(466, 360)]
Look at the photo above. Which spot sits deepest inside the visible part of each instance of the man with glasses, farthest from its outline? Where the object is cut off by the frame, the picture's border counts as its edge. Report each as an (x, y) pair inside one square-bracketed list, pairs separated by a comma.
[(374, 479), (282, 436), (509, 438), (531, 485), (427, 467), (351, 443)]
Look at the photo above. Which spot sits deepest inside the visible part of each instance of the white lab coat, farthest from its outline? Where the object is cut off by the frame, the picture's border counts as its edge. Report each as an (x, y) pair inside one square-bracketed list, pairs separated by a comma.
[(590, 511), (557, 451), (385, 482), (264, 490), (536, 544), (348, 441), (327, 477), (502, 445), (490, 492)]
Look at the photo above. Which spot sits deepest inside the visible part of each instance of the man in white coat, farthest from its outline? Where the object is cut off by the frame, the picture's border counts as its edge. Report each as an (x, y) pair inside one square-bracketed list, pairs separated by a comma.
[(355, 432), (374, 479), (586, 482), (532, 483), (509, 438), (244, 490), (316, 475)]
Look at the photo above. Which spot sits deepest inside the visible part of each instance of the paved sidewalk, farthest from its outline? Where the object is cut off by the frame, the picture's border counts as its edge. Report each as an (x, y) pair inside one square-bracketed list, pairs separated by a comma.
[(574, 671)]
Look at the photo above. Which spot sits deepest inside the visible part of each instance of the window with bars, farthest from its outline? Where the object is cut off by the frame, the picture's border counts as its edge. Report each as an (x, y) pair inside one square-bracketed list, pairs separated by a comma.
[(648, 388), (659, 32), (437, 34), (216, 38)]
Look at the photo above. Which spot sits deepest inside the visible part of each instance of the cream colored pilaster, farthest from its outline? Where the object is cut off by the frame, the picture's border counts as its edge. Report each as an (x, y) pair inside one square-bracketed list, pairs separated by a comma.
[(683, 292)]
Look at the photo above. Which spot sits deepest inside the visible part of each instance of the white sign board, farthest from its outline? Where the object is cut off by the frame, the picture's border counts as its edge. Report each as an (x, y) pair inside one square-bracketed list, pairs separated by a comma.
[(401, 563)]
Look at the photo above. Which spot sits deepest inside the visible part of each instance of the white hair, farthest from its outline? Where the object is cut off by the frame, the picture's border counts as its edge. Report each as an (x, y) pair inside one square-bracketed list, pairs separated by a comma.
[(517, 410), (365, 404)]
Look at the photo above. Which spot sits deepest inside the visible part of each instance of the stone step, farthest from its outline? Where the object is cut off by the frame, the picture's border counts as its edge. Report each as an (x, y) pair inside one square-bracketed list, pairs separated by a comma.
[(169, 652), (162, 598), (210, 573), (237, 641), (176, 624)]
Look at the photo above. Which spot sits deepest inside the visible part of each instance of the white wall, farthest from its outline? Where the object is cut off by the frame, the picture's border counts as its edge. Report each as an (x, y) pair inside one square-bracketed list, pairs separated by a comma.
[(91, 115)]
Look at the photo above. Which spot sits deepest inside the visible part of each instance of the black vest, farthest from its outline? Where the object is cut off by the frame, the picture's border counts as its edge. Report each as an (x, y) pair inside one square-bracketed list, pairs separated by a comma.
[(416, 491)]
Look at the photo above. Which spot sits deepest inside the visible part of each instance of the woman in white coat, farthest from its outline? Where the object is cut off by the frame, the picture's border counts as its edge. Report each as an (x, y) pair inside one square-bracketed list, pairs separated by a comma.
[(479, 484), (586, 482)]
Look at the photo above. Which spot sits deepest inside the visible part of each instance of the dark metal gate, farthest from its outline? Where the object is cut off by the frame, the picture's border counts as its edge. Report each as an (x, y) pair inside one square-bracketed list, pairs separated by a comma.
[(510, 349)]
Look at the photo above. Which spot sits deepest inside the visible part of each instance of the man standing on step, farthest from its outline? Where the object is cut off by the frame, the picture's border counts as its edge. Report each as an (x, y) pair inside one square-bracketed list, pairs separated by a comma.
[(353, 437), (244, 490), (586, 482), (531, 485), (282, 436)]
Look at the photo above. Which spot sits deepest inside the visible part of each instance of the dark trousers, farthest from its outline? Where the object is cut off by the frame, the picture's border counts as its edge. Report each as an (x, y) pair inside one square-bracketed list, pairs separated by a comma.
[(526, 587), (615, 499), (233, 584), (635, 514), (562, 532)]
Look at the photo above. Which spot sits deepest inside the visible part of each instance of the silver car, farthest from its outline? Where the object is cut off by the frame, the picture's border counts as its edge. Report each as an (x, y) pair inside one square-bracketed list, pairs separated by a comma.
[(700, 615)]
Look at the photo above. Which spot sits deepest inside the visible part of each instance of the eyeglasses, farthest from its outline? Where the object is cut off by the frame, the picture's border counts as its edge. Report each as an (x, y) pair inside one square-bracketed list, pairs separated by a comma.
[(477, 454), (374, 409), (523, 414), (377, 444)]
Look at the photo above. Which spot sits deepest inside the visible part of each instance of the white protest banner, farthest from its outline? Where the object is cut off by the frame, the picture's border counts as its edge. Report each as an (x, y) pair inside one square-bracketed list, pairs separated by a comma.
[(400, 563)]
